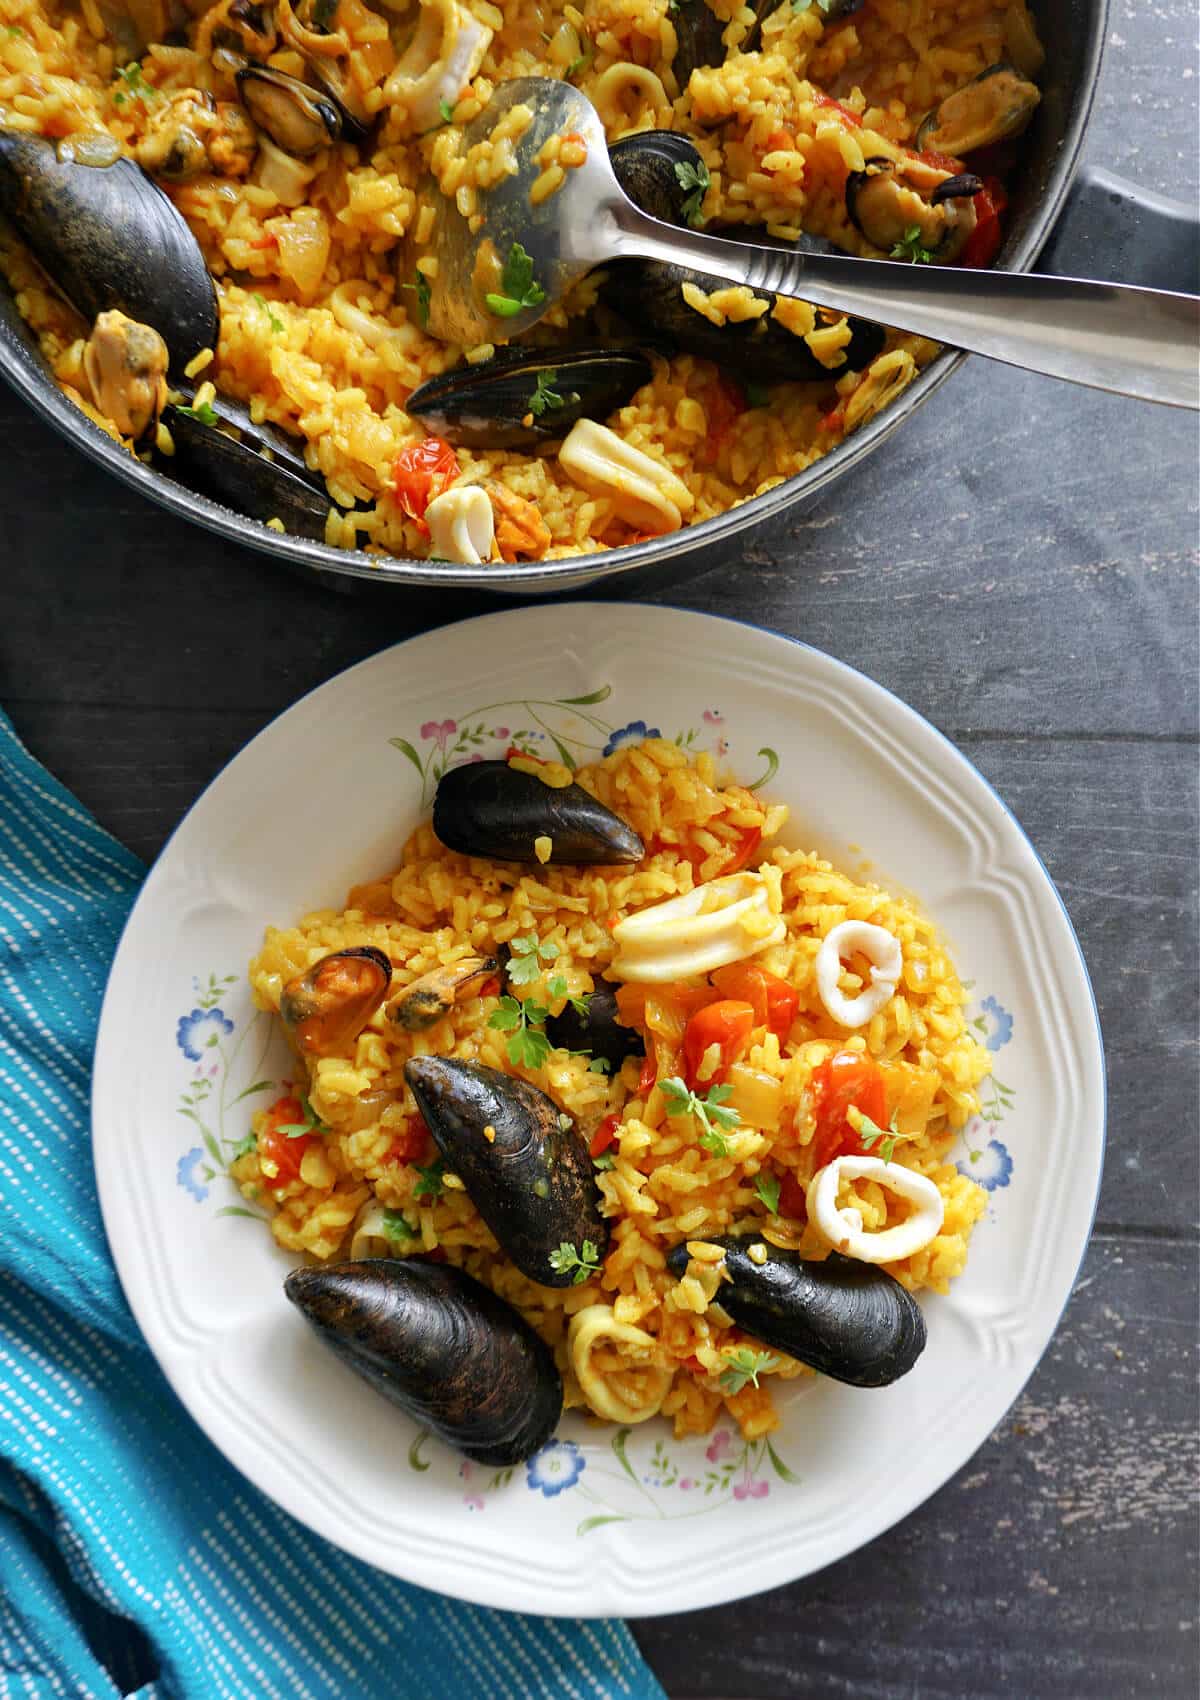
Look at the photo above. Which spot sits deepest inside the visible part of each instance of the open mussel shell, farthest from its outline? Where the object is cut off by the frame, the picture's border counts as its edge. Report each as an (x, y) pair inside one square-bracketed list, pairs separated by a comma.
[(221, 464), (107, 237), (488, 808), (491, 406), (996, 106), (297, 118), (326, 1008), (441, 1346), (852, 1321), (532, 1181), (599, 1032), (649, 293)]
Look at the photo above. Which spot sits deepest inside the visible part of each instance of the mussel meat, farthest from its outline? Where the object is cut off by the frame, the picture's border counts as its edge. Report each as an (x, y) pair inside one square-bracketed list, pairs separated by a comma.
[(530, 1178), (93, 229), (305, 27), (126, 368), (852, 1321), (296, 117), (326, 1008), (489, 808), (995, 106), (427, 1000), (599, 1031), (891, 204), (441, 1346), (523, 396), (649, 293)]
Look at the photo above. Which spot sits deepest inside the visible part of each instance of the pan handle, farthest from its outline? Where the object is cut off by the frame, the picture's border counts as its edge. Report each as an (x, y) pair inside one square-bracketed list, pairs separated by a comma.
[(1110, 227)]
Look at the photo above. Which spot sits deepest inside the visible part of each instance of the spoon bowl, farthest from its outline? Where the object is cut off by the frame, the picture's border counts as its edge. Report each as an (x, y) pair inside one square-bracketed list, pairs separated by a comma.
[(1136, 342)]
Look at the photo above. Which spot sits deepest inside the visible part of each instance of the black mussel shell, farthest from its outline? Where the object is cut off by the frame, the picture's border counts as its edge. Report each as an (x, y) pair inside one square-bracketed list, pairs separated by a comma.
[(488, 808), (533, 1182), (852, 1321), (996, 106), (297, 118), (491, 406), (233, 471), (698, 32), (442, 1346), (649, 293), (107, 237), (326, 1008), (600, 1031), (262, 439)]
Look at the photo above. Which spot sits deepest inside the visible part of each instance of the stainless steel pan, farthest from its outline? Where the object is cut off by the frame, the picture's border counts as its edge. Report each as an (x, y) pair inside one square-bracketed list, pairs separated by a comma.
[(1085, 223)]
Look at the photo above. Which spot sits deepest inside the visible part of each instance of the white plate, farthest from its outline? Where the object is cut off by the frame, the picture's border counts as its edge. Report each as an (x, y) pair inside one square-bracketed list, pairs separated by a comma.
[(601, 1522)]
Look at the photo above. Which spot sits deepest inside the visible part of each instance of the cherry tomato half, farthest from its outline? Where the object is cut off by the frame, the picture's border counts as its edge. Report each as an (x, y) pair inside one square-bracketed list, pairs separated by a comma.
[(846, 1080), (983, 244), (605, 1134), (649, 1074), (728, 1025), (793, 1197), (420, 472), (410, 1143), (775, 1003), (274, 1146)]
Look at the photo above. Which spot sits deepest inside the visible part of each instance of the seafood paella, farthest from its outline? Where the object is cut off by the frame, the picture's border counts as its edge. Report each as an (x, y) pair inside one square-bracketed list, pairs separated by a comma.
[(605, 1098), (218, 223)]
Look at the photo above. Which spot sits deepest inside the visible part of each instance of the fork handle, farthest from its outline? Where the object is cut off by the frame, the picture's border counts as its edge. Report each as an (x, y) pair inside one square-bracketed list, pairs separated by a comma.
[(1111, 336)]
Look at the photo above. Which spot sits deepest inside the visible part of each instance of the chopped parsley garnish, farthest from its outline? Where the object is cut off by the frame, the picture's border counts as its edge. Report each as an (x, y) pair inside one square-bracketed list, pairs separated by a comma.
[(276, 324), (807, 5), (398, 1229), (528, 1046), (517, 286), (424, 295), (745, 1365), (767, 1188), (556, 985), (526, 956), (446, 108), (709, 1111), (204, 414), (429, 1185), (694, 178), (312, 1122), (566, 1259), (244, 1147), (869, 1132), (135, 86), (909, 247), (545, 395), (604, 1161)]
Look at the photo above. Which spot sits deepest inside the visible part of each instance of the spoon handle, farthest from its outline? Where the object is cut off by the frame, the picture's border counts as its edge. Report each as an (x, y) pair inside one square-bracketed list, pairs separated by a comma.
[(1111, 336)]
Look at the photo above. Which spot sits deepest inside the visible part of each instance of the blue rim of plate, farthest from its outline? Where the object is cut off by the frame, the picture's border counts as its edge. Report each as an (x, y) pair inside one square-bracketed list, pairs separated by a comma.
[(609, 606)]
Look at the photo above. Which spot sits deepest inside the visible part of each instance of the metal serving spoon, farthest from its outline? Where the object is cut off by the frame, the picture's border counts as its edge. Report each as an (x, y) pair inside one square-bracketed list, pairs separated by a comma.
[(1136, 342)]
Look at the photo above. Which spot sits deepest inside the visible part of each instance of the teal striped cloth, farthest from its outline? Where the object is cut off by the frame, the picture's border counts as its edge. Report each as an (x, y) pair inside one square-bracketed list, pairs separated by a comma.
[(133, 1559)]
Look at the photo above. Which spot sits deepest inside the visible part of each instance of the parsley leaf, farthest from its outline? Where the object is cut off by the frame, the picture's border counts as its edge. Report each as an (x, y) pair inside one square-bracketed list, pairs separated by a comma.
[(708, 1111), (909, 247), (135, 86), (519, 289), (869, 1132), (528, 1046), (430, 1183), (204, 414), (526, 956), (807, 5), (767, 1188), (446, 108), (312, 1122), (567, 1258), (244, 1147), (275, 323), (545, 395), (604, 1161), (745, 1365), (598, 1065), (424, 295), (397, 1228), (696, 179)]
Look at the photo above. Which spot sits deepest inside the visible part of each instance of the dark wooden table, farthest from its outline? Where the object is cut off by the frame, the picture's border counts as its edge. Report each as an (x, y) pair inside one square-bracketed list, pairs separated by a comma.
[(1020, 565)]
